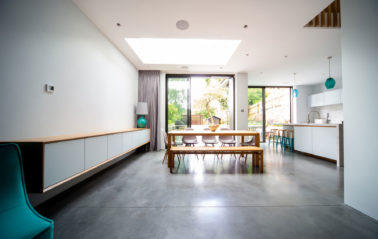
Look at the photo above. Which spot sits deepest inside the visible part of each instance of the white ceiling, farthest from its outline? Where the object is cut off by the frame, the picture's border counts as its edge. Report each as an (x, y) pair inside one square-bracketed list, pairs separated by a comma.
[(275, 29)]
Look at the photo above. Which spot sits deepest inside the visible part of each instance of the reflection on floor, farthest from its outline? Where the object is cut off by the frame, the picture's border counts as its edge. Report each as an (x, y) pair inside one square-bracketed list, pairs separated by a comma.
[(212, 164), (296, 197)]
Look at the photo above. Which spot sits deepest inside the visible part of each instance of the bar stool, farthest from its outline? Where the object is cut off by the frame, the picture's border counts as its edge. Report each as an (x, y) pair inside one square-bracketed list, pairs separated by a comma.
[(284, 140), (281, 138), (289, 140), (272, 135)]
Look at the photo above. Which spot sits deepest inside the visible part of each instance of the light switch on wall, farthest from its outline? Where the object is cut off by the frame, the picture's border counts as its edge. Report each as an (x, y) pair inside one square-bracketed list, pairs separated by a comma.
[(49, 88)]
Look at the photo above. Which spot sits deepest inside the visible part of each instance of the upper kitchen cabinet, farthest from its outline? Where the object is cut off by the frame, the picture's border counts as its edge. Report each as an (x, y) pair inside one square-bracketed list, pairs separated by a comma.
[(333, 97)]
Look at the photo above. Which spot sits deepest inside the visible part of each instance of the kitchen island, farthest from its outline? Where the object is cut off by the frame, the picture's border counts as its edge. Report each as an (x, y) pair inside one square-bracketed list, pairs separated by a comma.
[(324, 141)]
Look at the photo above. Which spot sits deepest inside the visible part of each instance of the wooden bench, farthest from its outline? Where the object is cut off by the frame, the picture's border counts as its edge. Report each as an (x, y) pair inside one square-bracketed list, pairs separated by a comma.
[(246, 150)]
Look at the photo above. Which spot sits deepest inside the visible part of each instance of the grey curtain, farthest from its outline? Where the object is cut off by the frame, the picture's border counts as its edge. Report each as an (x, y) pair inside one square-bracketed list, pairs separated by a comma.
[(148, 91)]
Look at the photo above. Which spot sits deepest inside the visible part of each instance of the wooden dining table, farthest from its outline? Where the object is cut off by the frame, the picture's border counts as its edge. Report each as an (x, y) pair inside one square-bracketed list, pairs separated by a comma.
[(172, 135)]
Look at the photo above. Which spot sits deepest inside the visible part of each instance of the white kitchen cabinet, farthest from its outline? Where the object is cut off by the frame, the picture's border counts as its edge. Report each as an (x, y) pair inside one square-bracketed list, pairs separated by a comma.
[(317, 100), (62, 160), (331, 97), (96, 151), (323, 141), (303, 139), (326, 142)]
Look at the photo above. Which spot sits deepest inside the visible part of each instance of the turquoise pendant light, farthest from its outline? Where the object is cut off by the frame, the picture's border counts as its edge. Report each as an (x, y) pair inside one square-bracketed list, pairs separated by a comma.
[(330, 82), (295, 91)]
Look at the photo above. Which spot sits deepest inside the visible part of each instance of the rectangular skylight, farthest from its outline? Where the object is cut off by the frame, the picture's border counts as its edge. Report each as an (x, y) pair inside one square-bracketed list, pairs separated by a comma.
[(183, 51)]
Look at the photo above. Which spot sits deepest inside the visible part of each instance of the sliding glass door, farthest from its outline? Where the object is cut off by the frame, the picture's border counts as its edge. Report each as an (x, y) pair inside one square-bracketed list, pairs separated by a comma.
[(178, 103), (277, 107), (199, 100), (268, 108), (256, 110)]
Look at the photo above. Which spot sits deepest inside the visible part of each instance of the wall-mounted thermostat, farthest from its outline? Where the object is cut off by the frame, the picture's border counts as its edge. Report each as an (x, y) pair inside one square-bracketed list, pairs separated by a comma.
[(49, 88)]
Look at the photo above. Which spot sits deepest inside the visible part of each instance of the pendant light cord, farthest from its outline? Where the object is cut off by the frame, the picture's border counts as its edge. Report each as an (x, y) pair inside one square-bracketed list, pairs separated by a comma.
[(329, 66)]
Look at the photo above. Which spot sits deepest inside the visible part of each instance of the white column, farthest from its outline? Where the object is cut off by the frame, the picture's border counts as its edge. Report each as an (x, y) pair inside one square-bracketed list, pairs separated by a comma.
[(359, 50), (241, 101)]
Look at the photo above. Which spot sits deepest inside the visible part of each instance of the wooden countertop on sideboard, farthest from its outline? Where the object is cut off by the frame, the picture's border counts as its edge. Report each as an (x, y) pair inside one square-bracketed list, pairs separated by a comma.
[(53, 139)]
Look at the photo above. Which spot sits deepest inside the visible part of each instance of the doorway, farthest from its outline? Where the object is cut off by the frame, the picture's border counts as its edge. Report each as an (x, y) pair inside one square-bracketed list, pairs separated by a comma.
[(268, 107)]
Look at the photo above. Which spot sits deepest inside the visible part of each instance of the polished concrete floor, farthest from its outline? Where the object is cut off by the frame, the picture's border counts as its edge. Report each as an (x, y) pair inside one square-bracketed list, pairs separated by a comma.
[(296, 197)]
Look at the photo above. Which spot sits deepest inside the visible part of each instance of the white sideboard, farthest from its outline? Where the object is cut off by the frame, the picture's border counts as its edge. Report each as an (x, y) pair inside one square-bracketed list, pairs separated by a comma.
[(52, 161)]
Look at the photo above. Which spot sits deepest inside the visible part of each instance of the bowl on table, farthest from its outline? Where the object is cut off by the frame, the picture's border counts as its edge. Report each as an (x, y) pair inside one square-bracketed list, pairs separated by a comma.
[(213, 128)]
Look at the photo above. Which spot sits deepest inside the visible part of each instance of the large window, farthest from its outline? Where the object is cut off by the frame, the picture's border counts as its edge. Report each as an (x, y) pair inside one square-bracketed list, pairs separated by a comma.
[(197, 100), (268, 107)]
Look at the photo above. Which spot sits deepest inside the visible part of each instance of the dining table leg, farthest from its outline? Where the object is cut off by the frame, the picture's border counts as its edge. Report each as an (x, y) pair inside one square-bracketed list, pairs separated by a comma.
[(242, 142), (171, 161)]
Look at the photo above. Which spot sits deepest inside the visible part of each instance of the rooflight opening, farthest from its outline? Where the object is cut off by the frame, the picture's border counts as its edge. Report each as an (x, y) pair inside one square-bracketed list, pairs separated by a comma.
[(183, 51)]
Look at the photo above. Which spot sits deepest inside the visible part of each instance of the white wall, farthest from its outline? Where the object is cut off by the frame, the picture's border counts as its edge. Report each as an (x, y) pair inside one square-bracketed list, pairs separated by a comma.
[(53, 42), (300, 108), (360, 73), (241, 101)]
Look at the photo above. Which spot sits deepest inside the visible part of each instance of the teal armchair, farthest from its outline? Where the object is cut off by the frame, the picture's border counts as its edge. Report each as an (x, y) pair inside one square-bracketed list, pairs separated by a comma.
[(18, 219)]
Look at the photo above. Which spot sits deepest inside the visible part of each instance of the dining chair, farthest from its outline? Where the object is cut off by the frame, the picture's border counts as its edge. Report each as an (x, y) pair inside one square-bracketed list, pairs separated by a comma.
[(227, 139), (209, 139), (189, 140), (18, 219)]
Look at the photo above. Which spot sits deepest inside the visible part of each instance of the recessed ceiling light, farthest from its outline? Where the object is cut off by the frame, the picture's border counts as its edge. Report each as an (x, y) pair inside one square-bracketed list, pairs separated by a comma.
[(221, 68), (183, 51), (118, 24), (182, 24)]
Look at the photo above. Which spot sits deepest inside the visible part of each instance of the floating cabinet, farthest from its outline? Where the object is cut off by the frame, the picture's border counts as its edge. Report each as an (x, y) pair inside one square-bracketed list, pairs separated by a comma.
[(115, 145), (62, 160), (127, 141), (96, 151), (53, 161), (331, 97), (317, 100)]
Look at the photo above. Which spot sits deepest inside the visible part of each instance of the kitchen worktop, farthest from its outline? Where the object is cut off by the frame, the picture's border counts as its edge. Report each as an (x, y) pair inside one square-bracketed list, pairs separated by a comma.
[(312, 125)]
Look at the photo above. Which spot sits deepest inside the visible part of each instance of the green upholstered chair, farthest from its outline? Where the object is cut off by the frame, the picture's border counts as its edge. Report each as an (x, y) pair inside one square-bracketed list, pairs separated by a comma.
[(18, 219)]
